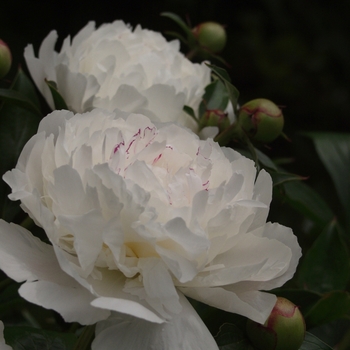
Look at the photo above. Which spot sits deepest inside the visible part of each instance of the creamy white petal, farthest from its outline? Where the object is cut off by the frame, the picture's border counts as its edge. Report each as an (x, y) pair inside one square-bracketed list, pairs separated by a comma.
[(186, 331), (115, 67), (128, 307), (136, 210), (72, 302), (252, 304), (24, 257)]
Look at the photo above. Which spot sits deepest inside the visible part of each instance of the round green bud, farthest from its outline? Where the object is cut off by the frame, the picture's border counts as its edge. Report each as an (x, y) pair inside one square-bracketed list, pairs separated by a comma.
[(283, 330), (215, 117), (261, 120), (211, 35), (5, 59)]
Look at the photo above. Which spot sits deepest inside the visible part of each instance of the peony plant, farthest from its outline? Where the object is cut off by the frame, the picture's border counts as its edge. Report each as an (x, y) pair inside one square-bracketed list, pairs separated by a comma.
[(139, 216), (115, 66)]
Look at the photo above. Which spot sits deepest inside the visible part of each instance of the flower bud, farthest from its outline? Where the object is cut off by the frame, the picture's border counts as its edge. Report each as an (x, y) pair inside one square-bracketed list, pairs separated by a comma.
[(283, 330), (215, 117), (211, 35), (261, 120), (5, 59)]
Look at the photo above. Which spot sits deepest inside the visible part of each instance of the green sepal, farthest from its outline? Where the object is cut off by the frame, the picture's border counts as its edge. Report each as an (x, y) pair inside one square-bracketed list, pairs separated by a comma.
[(57, 97), (215, 97)]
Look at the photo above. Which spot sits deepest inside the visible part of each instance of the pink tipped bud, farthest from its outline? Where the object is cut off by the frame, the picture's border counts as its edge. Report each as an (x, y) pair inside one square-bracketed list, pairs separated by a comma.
[(5, 59), (261, 120), (215, 117), (211, 35), (283, 330)]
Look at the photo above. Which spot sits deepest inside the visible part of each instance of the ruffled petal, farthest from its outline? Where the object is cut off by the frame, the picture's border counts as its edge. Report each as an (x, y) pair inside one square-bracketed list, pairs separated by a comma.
[(24, 257), (185, 331), (252, 304), (73, 302)]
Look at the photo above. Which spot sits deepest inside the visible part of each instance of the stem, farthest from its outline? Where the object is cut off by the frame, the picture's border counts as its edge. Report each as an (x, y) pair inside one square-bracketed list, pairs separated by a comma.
[(233, 131), (86, 338), (192, 53)]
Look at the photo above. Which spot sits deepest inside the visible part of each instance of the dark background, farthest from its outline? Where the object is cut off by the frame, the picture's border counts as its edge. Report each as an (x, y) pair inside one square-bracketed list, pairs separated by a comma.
[(294, 52)]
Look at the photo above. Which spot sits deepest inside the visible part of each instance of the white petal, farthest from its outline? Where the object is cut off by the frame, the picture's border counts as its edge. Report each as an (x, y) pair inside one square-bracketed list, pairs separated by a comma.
[(72, 302), (284, 235), (128, 307), (185, 331), (24, 257), (164, 102), (255, 305)]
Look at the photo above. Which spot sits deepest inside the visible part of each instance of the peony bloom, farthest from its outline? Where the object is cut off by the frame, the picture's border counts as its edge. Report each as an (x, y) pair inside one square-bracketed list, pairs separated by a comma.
[(115, 67), (139, 215)]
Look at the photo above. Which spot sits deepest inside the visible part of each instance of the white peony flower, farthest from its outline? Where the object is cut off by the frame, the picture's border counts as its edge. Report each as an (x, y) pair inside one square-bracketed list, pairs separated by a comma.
[(115, 67), (140, 215)]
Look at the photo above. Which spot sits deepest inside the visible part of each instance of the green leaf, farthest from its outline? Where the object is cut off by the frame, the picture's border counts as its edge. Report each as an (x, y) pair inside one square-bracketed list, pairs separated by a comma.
[(334, 151), (307, 201), (330, 307), (17, 125), (27, 338), (230, 337), (215, 97), (190, 112), (266, 161), (313, 343), (280, 178), (325, 266), (57, 97), (20, 100), (233, 93), (181, 23)]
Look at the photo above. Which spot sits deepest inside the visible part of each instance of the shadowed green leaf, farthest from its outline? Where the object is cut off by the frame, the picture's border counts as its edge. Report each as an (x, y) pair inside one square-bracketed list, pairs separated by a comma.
[(230, 337), (181, 23), (190, 112), (326, 265), (215, 97), (27, 338), (280, 178), (330, 307), (233, 93), (306, 201), (16, 98), (334, 151), (57, 97), (313, 343), (17, 125)]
